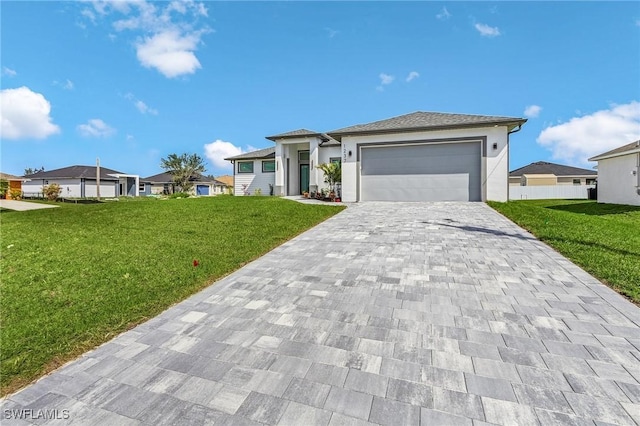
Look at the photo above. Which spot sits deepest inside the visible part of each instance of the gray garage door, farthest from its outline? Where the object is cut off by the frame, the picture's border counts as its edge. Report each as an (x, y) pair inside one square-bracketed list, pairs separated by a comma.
[(425, 172)]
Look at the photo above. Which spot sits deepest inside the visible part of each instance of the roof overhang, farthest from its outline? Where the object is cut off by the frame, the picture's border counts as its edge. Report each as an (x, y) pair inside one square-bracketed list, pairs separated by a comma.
[(617, 154), (511, 124)]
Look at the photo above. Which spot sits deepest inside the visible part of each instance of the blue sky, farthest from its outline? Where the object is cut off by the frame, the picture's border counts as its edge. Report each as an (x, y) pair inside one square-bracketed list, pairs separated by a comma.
[(132, 81)]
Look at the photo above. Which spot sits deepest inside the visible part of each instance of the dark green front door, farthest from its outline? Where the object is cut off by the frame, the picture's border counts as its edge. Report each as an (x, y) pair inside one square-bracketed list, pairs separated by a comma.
[(304, 178)]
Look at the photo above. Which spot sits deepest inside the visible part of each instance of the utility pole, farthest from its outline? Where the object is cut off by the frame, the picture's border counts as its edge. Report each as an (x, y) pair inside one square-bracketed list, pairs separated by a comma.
[(98, 178)]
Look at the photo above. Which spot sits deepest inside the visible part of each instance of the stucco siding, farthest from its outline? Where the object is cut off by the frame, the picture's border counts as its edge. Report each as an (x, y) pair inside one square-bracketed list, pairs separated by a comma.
[(494, 166), (617, 183), (107, 189)]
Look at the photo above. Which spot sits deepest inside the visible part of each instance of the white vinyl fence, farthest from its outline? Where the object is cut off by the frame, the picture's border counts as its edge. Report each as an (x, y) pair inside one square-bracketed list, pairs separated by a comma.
[(544, 192)]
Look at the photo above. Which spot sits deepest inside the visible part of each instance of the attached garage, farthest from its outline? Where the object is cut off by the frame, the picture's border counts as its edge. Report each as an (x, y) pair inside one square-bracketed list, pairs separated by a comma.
[(421, 172), (202, 190)]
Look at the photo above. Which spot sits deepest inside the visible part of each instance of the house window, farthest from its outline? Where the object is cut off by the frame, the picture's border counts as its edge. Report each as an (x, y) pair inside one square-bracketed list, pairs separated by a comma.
[(268, 166), (591, 181), (245, 167), (576, 181), (303, 155), (141, 187), (335, 160)]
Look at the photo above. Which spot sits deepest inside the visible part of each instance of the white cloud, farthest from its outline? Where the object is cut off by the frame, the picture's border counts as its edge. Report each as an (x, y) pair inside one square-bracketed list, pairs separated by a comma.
[(8, 72), (25, 114), (412, 75), (66, 85), (170, 53), (96, 128), (532, 111), (487, 31), (385, 80), (582, 137), (637, 22), (140, 105), (218, 150), (444, 14), (168, 34), (331, 32)]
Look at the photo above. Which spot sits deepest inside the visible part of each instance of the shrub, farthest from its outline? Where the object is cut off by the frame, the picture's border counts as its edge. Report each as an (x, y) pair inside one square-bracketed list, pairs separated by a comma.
[(52, 191), (179, 195), (4, 188), (257, 191), (16, 194)]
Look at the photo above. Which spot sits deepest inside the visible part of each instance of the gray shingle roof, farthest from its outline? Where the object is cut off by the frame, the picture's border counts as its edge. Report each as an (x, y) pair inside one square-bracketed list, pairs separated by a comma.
[(167, 178), (75, 172), (261, 153), (421, 120), (630, 147), (543, 168), (293, 134)]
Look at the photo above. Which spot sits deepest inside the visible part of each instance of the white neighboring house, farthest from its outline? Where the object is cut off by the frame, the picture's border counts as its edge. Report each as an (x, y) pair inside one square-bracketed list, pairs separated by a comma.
[(619, 175), (81, 182), (422, 156)]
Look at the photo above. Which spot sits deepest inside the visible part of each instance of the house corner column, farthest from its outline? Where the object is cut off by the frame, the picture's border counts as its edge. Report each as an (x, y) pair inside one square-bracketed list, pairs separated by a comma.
[(279, 175), (313, 164)]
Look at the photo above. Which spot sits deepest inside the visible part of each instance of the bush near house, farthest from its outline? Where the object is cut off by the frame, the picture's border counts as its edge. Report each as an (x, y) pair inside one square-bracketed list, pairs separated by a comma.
[(52, 192), (100, 269)]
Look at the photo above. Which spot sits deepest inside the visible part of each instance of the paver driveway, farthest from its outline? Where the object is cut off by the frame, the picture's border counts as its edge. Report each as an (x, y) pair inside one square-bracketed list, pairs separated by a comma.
[(390, 313)]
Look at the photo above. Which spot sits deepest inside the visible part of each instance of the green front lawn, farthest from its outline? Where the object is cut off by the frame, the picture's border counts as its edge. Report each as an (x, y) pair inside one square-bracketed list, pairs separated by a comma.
[(604, 239), (76, 276)]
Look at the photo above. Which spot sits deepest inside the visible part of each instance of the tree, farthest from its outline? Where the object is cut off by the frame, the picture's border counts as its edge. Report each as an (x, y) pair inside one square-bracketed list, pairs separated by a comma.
[(184, 168), (30, 171), (332, 174)]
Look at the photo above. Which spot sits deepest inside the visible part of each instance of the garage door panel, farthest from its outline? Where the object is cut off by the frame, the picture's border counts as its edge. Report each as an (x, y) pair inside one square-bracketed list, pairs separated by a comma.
[(411, 187), (426, 172)]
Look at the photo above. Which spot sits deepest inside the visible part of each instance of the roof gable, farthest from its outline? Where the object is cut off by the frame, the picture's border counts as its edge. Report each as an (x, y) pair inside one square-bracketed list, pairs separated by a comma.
[(544, 167), (293, 134), (622, 150), (421, 120)]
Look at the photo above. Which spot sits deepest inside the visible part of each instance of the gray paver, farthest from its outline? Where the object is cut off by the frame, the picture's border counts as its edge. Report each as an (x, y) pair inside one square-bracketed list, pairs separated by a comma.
[(397, 313)]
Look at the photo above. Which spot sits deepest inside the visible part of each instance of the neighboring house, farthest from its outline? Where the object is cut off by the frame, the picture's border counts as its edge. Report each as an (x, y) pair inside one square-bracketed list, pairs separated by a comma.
[(14, 183), (254, 172), (619, 175), (544, 173), (228, 181), (422, 156), (162, 183), (81, 182)]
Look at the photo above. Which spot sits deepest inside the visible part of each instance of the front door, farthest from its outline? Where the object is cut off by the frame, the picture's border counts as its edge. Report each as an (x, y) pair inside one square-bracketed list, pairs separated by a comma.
[(304, 178)]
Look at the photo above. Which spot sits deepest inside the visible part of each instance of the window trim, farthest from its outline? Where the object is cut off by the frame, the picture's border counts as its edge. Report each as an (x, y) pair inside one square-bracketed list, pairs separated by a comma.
[(579, 181), (304, 152), (266, 162), (335, 160), (245, 162)]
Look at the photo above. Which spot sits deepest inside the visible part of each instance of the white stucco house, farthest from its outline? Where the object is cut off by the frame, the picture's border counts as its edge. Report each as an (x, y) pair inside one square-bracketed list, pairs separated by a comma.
[(82, 182), (422, 156), (619, 175)]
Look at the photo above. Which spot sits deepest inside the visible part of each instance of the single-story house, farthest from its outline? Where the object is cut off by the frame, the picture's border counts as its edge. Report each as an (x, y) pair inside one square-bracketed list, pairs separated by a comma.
[(162, 183), (14, 183), (619, 175), (81, 182), (545, 173), (228, 181), (421, 156)]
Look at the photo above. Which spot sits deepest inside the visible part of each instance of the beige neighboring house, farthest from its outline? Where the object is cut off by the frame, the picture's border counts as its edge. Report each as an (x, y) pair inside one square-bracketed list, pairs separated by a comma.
[(228, 181), (544, 173), (14, 184), (619, 175)]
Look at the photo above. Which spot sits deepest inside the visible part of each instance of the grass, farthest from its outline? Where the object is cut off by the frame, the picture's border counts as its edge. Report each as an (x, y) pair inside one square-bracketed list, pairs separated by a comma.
[(76, 276), (603, 239)]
